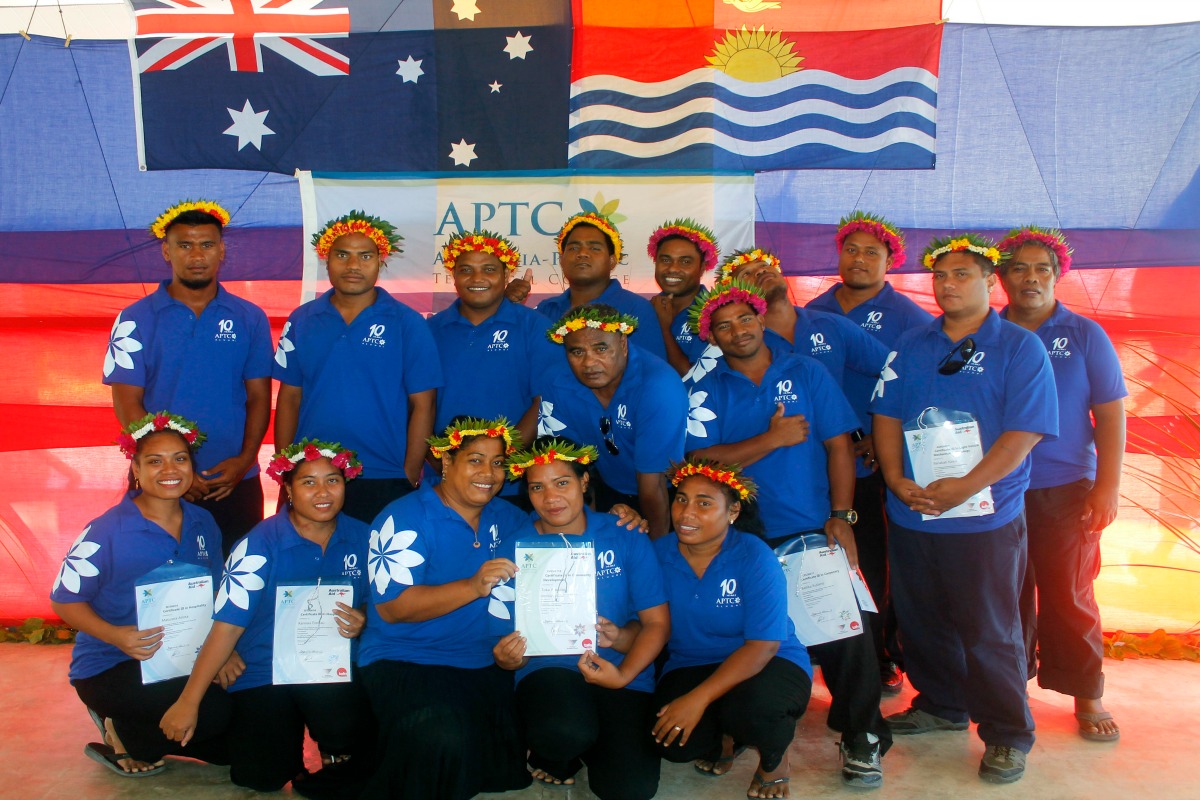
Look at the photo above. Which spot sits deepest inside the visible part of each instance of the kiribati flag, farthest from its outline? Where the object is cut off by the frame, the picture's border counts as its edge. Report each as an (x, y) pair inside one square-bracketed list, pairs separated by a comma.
[(763, 96)]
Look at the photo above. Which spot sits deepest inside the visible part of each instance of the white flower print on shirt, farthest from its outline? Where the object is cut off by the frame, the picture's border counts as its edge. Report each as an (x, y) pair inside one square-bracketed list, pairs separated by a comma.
[(389, 558), (285, 345), (547, 424), (501, 594), (76, 565), (704, 364), (886, 374), (698, 414), (120, 344), (240, 578)]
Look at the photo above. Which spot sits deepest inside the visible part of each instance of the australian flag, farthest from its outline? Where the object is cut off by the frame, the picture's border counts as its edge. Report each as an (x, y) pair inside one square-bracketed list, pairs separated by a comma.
[(353, 86)]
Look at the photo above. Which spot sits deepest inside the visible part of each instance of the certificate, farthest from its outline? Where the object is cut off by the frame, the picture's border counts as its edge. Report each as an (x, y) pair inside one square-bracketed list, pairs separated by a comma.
[(179, 597), (556, 595), (946, 444), (822, 602), (307, 647)]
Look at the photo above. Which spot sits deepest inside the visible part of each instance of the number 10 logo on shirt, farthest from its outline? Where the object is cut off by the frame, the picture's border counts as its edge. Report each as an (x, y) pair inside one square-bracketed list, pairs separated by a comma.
[(225, 331), (729, 595), (374, 337)]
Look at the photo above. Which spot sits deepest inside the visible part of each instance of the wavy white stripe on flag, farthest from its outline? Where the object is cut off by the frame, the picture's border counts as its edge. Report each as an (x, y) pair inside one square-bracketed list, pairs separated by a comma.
[(708, 75), (765, 148), (751, 119)]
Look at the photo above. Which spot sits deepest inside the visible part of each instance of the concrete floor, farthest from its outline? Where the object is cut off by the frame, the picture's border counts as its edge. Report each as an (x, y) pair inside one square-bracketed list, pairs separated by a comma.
[(43, 728)]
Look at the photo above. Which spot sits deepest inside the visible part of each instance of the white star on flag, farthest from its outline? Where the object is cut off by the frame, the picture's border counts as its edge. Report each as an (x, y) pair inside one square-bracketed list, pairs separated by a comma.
[(465, 9), (463, 153), (495, 86), (410, 70), (518, 46), (248, 126)]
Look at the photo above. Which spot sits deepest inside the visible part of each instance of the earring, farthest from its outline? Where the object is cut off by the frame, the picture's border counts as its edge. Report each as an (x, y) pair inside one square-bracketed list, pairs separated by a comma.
[(137, 484)]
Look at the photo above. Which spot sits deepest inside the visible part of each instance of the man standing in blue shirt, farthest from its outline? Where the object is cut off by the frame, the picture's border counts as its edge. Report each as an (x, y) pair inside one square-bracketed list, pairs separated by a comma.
[(869, 246), (590, 248), (1074, 481), (683, 251), (196, 349), (622, 401), (359, 367), (957, 541), (757, 408)]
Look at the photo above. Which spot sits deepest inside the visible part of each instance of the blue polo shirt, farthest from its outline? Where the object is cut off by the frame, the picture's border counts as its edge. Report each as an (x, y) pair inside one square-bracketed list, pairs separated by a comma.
[(196, 367), (113, 552), (274, 553), (1086, 373), (727, 407), (501, 353), (689, 341), (356, 378), (1008, 386), (741, 597), (419, 541), (628, 580), (648, 334), (648, 415)]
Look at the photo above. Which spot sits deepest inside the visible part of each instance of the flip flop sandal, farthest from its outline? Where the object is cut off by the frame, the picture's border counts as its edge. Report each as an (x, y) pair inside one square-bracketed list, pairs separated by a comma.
[(1094, 719), (712, 773), (766, 784), (103, 755)]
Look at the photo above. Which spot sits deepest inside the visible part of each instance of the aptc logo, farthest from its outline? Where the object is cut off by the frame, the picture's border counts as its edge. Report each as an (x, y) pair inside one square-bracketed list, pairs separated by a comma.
[(685, 333), (374, 337), (350, 564), (783, 392), (605, 564), (623, 417), (494, 530), (974, 364), (201, 546), (1058, 347), (729, 595), (499, 340), (818, 344), (874, 321), (225, 331)]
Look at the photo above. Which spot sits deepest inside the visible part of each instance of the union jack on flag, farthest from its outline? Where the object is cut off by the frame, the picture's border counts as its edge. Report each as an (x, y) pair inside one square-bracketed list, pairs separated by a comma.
[(187, 29)]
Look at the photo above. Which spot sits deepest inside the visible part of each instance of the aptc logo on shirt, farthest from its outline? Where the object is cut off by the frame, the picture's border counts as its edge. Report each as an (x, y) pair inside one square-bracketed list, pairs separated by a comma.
[(685, 334), (350, 566), (873, 322), (498, 340), (1058, 347), (374, 337), (605, 564), (729, 594), (225, 331), (818, 344), (784, 393), (623, 417), (201, 547), (974, 365)]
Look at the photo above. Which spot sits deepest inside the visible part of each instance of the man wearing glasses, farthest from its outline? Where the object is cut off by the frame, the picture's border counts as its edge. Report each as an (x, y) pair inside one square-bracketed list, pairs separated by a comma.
[(958, 408), (623, 401)]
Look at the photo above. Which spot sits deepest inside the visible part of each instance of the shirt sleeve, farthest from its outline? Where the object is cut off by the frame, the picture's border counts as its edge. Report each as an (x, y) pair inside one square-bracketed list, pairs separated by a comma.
[(646, 588), (247, 574), (1030, 394), (888, 397), (86, 566), (258, 359), (1103, 367), (397, 554), (287, 354), (864, 353), (663, 410), (834, 415), (125, 358), (764, 590), (422, 364)]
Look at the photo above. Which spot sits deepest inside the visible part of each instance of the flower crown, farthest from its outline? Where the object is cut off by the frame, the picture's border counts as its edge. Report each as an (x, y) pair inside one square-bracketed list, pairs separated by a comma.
[(970, 242), (547, 452), (598, 221), (153, 423), (379, 231), (723, 294), (483, 242), (159, 226), (452, 437), (878, 227), (601, 317), (704, 239), (289, 457), (1047, 237), (741, 257), (728, 474)]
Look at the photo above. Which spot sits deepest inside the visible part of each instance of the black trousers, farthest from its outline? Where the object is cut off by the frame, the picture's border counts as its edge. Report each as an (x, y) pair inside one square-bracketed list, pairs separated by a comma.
[(366, 497), (1063, 626), (266, 735), (566, 720), (760, 712), (444, 732), (136, 710), (236, 514), (870, 535)]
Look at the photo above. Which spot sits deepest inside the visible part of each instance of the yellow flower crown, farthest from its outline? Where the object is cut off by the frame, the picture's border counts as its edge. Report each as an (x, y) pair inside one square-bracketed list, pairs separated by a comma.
[(597, 221), (745, 257), (547, 453), (159, 226), (969, 242), (726, 474), (601, 317), (452, 438), (482, 242), (379, 231)]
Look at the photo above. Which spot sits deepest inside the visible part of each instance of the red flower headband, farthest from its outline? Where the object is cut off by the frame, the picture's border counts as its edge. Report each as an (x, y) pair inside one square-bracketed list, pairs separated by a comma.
[(290, 457), (1046, 237), (723, 294), (456, 432), (745, 257), (878, 227), (548, 453), (379, 231), (704, 239), (727, 474), (153, 423)]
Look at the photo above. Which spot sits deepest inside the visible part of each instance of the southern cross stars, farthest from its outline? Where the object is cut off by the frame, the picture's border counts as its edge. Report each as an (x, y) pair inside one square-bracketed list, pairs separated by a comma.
[(410, 70), (463, 153), (518, 46), (249, 126)]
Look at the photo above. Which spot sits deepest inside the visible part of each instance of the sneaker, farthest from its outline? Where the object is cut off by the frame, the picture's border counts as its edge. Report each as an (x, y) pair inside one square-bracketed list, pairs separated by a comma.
[(891, 678), (861, 764), (914, 720), (1002, 764)]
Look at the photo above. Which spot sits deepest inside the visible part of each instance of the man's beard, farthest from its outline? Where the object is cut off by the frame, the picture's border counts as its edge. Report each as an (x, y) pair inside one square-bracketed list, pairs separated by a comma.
[(196, 283)]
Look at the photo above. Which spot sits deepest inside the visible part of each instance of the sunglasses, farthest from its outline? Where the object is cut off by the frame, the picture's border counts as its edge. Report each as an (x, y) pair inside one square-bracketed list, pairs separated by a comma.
[(610, 444), (957, 358)]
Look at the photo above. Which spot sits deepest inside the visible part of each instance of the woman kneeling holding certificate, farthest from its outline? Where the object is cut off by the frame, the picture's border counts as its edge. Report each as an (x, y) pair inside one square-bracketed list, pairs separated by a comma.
[(736, 674), (152, 531), (287, 602), (593, 708), (439, 565)]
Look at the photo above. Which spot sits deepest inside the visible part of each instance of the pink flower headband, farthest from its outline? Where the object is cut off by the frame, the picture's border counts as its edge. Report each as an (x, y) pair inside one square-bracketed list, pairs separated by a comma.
[(153, 423), (878, 227), (290, 457), (723, 294), (1046, 237), (704, 239)]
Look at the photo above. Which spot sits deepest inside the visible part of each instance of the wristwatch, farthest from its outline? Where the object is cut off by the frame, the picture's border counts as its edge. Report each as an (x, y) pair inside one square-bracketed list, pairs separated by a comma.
[(850, 515)]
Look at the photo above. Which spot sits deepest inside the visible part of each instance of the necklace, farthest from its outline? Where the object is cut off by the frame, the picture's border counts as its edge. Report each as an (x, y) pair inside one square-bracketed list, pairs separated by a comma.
[(476, 545)]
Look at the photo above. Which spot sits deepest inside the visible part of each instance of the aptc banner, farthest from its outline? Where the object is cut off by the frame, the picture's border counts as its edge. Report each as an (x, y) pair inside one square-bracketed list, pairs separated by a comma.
[(529, 210)]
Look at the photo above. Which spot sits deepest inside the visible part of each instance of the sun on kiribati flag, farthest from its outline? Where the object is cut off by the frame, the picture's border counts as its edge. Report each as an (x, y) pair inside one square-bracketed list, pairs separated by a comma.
[(706, 93)]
